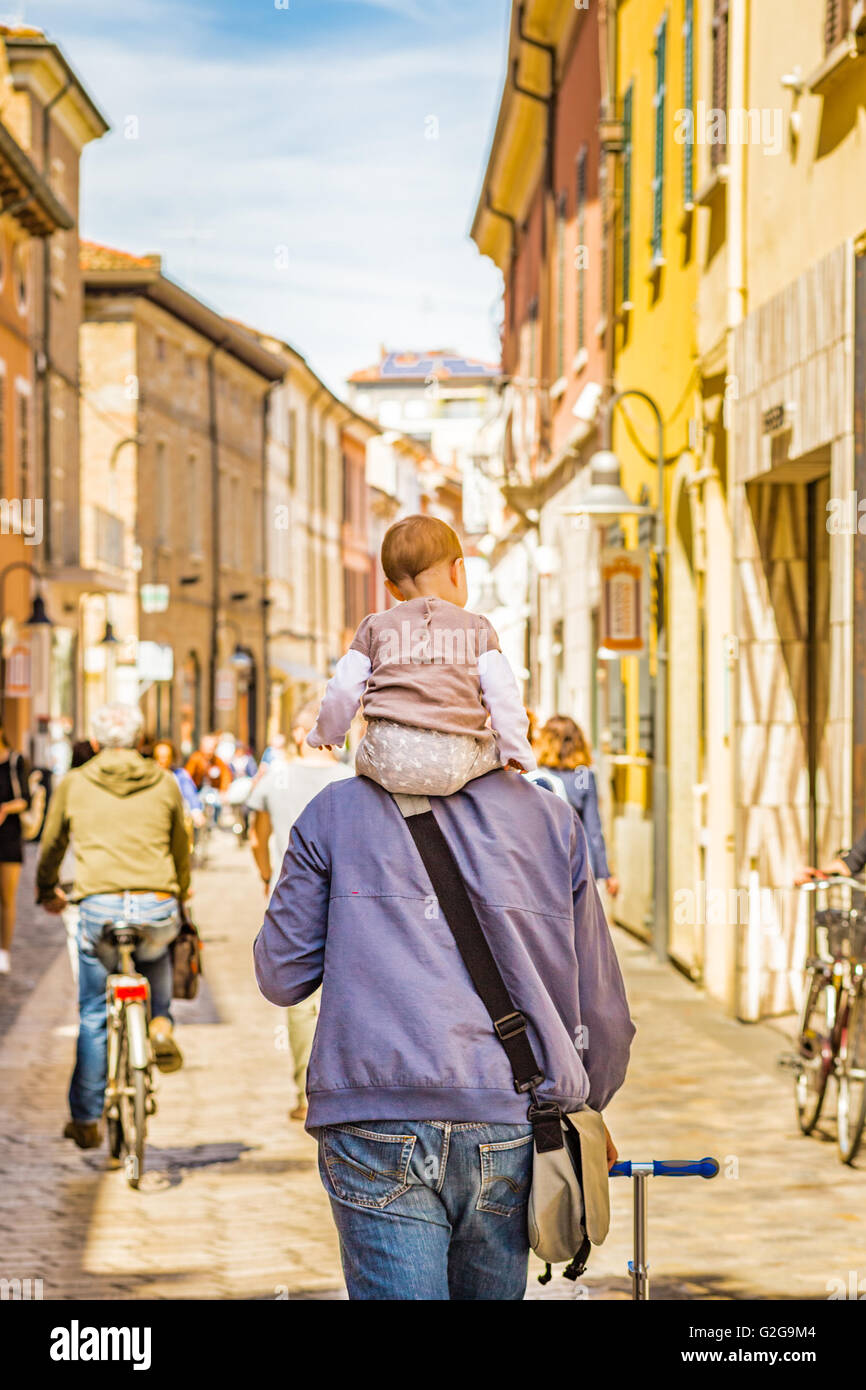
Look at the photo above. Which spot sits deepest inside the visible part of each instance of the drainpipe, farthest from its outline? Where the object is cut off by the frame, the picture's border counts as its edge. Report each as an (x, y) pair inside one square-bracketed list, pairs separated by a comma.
[(267, 521), (215, 525), (747, 1005), (42, 356), (607, 39)]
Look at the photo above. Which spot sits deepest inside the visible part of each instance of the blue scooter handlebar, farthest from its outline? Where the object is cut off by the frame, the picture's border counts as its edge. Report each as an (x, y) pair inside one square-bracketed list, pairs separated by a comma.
[(667, 1168)]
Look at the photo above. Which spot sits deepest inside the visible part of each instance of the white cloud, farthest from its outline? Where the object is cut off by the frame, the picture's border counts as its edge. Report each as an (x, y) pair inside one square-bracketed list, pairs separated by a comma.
[(308, 149)]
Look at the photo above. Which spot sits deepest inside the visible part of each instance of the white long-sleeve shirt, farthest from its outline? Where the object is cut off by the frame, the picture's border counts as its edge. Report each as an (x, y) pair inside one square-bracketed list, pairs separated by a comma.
[(498, 692)]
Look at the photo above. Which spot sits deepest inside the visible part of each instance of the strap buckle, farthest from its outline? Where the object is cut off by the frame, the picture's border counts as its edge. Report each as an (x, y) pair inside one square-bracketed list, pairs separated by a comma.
[(536, 1080), (510, 1025)]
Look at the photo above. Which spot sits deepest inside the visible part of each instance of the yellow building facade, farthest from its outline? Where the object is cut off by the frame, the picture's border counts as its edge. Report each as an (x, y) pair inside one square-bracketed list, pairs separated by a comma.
[(651, 221)]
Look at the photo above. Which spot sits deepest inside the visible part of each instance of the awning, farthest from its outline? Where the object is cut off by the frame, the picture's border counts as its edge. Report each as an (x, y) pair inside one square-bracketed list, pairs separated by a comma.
[(297, 671)]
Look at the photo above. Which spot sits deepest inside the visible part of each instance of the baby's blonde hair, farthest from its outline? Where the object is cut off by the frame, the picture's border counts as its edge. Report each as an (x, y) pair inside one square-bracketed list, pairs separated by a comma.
[(416, 544)]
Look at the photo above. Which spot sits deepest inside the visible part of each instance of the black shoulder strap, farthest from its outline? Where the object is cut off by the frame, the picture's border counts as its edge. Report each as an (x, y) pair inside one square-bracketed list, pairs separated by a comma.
[(448, 885)]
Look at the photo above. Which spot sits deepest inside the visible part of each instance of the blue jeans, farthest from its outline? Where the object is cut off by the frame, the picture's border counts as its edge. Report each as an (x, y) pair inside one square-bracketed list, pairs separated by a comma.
[(87, 1088), (429, 1209)]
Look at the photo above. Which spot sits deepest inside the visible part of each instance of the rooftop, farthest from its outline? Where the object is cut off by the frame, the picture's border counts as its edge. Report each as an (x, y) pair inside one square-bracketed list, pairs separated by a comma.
[(94, 256), (439, 364)]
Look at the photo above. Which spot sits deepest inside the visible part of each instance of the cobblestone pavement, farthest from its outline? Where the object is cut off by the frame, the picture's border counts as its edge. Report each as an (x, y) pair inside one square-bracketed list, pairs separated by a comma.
[(231, 1205)]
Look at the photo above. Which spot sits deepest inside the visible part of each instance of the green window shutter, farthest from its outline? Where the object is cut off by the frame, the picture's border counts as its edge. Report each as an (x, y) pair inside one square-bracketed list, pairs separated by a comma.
[(688, 101), (719, 149), (626, 193), (658, 177), (581, 245)]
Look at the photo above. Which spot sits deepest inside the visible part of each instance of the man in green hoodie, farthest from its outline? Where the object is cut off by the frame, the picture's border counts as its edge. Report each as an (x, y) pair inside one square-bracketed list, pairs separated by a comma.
[(126, 818)]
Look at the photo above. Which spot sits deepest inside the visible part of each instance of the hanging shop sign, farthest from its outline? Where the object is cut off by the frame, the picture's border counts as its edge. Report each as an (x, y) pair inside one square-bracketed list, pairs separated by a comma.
[(154, 598), (155, 661), (623, 580)]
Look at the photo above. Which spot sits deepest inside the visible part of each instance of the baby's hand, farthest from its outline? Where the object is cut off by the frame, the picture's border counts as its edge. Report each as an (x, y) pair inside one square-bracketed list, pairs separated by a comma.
[(518, 767)]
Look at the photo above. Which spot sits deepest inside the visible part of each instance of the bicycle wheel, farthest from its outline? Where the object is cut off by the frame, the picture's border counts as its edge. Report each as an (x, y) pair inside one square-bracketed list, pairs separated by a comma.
[(851, 1104), (113, 1127), (132, 1105), (815, 1048)]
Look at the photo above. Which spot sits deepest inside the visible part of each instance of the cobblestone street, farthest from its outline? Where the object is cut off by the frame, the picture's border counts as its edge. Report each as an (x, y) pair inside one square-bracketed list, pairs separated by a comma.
[(231, 1205)]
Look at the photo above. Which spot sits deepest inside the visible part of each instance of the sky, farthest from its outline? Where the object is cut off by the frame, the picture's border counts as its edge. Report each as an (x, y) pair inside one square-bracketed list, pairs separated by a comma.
[(308, 166)]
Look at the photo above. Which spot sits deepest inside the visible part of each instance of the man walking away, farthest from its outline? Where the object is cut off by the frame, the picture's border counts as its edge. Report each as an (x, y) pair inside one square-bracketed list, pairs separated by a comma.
[(425, 1150)]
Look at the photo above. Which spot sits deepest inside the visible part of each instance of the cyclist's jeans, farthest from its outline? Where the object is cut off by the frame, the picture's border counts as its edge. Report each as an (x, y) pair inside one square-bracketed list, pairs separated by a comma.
[(429, 1209), (87, 1088)]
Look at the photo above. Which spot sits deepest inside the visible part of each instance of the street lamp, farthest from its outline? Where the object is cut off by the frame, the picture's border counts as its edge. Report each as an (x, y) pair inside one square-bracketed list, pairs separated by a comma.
[(605, 499), (38, 616), (241, 657)]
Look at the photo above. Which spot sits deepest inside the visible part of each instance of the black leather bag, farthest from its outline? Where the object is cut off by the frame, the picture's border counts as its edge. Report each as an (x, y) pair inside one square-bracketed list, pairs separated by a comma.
[(186, 967)]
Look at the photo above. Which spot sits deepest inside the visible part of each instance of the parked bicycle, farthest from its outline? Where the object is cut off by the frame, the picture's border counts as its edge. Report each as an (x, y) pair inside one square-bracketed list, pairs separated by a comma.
[(831, 1040), (129, 1090)]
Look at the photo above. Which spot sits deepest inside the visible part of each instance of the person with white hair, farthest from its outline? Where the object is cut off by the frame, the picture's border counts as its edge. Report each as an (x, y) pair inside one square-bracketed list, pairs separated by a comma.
[(125, 815)]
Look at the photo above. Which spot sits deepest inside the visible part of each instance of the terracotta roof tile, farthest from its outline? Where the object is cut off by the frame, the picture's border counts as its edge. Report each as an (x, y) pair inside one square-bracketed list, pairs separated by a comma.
[(21, 31), (96, 257)]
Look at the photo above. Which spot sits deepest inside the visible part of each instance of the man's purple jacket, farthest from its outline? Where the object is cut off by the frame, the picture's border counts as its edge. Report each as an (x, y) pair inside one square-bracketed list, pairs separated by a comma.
[(402, 1033)]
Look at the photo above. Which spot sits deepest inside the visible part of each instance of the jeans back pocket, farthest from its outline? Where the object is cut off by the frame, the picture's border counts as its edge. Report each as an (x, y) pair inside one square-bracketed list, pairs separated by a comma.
[(365, 1167), (506, 1176)]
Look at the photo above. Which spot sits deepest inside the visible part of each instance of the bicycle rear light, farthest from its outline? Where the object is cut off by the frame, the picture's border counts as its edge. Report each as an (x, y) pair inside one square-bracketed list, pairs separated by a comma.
[(127, 992)]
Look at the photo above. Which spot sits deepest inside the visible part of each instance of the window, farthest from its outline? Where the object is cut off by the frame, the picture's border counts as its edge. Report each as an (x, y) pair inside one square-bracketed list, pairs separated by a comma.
[(581, 249), (258, 567), (162, 520), (355, 596), (837, 16), (719, 148), (323, 473), (658, 177), (23, 451), (109, 538), (2, 426), (236, 525), (605, 223), (561, 208), (324, 596), (688, 101), (293, 444), (21, 275), (626, 193), (193, 505), (160, 349), (533, 337), (311, 460)]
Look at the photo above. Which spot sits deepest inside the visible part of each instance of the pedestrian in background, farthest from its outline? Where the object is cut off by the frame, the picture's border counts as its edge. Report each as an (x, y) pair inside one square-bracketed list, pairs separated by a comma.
[(165, 753), (561, 747), (82, 751), (277, 799), (207, 769), (14, 798)]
